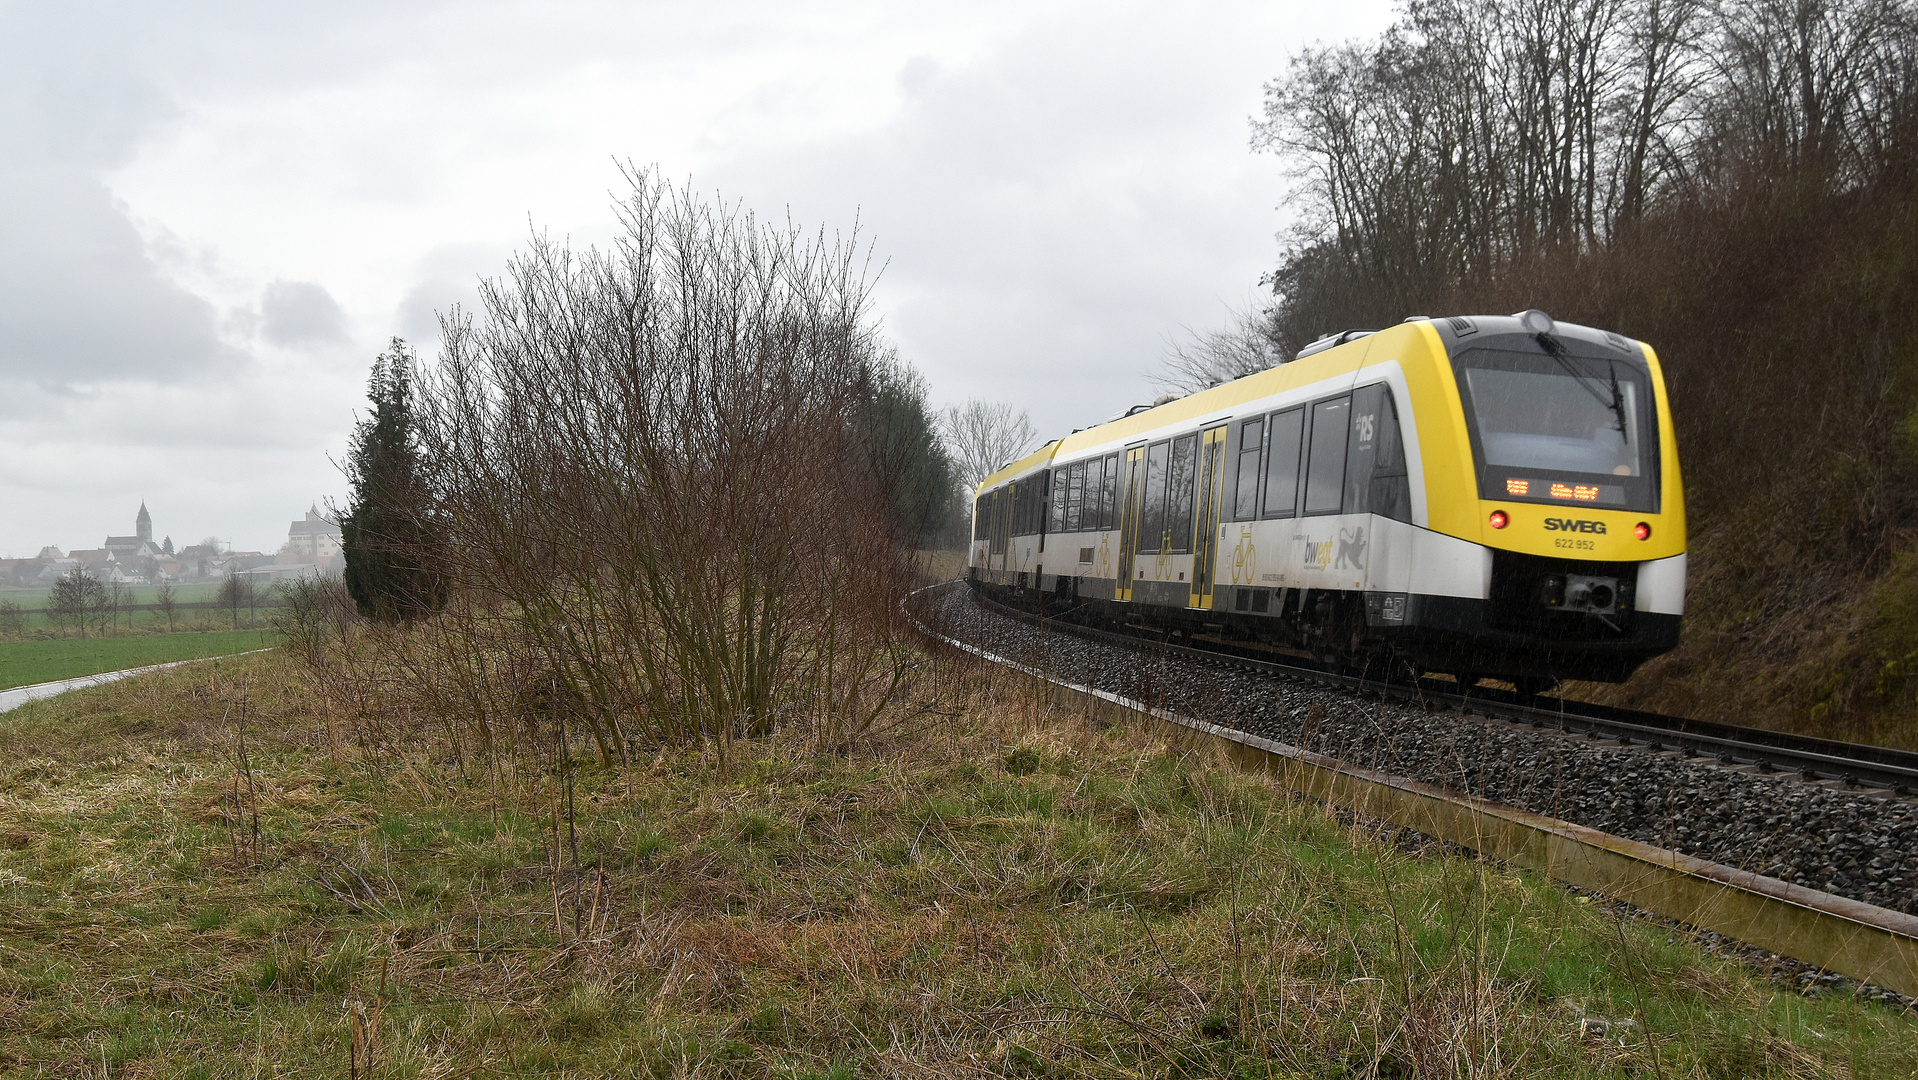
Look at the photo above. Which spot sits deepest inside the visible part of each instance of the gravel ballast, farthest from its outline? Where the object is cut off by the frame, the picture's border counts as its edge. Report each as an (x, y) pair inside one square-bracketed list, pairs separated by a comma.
[(1849, 843)]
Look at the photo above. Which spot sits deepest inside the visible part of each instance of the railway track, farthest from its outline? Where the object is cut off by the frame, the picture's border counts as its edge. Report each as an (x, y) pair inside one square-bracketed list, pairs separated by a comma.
[(1839, 933), (1851, 764)]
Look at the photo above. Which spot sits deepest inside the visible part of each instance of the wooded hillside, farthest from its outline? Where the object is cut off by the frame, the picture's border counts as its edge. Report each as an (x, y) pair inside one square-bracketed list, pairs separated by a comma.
[(1733, 183)]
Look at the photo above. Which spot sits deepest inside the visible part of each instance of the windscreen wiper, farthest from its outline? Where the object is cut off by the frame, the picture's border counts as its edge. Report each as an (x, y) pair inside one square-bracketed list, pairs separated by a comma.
[(1617, 401), (1618, 404)]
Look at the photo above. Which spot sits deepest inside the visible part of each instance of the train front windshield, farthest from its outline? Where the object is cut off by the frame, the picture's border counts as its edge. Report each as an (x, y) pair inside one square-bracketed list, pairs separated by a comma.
[(1560, 421)]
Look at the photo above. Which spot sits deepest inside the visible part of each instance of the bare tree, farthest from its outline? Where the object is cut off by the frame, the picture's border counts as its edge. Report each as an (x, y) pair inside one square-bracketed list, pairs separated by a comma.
[(1244, 347), (13, 621), (237, 592), (77, 595), (983, 437), (1818, 84), (1472, 133), (163, 598)]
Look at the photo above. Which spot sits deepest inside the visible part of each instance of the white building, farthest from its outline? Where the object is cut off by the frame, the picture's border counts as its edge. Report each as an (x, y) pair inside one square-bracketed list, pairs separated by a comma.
[(315, 536)]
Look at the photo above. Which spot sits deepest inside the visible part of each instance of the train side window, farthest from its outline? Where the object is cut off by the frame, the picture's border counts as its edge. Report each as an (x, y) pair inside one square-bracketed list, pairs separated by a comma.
[(1245, 499), (1282, 462), (1325, 463), (1109, 497), (1361, 449), (1375, 480), (1181, 476), (1059, 484), (1152, 532), (1089, 504), (1075, 495)]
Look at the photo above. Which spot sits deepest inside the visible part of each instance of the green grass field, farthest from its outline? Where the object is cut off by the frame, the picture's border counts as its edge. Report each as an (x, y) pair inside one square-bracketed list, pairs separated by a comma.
[(23, 663)]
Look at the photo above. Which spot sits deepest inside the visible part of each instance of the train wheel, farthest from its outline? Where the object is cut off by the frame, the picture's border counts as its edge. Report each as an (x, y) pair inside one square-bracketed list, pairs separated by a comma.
[(1533, 686)]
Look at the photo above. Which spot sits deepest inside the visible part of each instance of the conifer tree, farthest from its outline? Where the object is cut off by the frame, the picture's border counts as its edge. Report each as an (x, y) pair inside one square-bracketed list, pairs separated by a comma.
[(390, 536)]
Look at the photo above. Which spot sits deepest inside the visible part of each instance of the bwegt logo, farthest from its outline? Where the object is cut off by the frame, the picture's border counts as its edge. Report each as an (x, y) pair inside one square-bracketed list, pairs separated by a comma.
[(1573, 525)]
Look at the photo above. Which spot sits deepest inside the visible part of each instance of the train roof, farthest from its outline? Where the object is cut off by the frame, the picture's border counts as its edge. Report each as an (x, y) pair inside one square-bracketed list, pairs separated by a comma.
[(1345, 353), (1222, 398)]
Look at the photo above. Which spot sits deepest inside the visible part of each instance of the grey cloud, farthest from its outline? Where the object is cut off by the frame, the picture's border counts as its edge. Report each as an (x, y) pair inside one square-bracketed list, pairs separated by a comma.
[(1051, 215), (82, 300), (301, 313)]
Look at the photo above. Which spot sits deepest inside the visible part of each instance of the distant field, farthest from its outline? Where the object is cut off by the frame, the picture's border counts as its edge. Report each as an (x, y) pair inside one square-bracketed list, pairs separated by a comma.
[(23, 663), (36, 599)]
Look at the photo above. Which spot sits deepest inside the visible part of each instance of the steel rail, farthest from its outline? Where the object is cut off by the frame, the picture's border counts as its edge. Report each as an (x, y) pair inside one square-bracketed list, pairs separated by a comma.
[(1836, 933), (1855, 764)]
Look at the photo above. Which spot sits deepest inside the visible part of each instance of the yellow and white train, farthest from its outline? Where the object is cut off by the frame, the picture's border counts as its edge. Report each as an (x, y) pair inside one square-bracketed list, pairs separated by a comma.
[(1485, 495)]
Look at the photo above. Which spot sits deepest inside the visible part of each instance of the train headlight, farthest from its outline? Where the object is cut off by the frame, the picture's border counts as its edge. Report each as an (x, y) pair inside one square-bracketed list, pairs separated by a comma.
[(1499, 520), (1642, 530), (1535, 321)]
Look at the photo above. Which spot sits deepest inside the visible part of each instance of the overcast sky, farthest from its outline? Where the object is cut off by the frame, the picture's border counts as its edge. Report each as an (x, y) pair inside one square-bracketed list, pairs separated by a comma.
[(212, 217)]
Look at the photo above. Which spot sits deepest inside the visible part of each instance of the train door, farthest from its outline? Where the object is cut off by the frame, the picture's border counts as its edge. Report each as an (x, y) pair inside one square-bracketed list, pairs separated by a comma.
[(1001, 522), (1205, 539), (1129, 520)]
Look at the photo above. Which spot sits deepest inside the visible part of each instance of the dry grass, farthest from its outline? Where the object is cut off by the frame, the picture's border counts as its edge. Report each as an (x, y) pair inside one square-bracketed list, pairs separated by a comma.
[(935, 565), (989, 889)]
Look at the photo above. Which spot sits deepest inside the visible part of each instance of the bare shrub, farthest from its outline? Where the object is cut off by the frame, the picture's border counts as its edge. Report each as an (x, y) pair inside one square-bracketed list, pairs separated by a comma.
[(670, 516), (312, 613)]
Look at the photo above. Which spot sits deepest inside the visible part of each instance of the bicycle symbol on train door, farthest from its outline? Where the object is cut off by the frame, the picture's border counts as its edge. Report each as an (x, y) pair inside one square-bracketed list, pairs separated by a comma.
[(1245, 558)]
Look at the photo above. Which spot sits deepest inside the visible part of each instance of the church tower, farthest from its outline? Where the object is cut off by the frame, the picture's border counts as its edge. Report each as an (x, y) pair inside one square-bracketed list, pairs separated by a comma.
[(143, 525)]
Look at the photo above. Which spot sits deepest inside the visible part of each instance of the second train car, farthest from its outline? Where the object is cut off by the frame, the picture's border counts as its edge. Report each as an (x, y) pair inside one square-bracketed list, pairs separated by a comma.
[(1481, 495)]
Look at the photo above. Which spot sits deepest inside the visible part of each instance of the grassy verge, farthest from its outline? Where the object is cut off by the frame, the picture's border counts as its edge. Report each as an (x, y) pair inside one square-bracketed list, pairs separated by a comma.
[(990, 890), (23, 663)]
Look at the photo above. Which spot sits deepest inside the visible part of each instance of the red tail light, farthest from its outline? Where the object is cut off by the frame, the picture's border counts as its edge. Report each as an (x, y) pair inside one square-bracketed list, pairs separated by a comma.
[(1642, 530), (1499, 520)]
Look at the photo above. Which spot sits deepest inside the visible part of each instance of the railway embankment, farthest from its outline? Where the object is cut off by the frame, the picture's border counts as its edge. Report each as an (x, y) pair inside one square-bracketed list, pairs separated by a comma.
[(193, 871), (1852, 843)]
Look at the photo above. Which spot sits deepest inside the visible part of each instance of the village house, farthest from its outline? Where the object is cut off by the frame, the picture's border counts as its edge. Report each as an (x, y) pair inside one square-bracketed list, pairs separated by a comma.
[(312, 549)]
